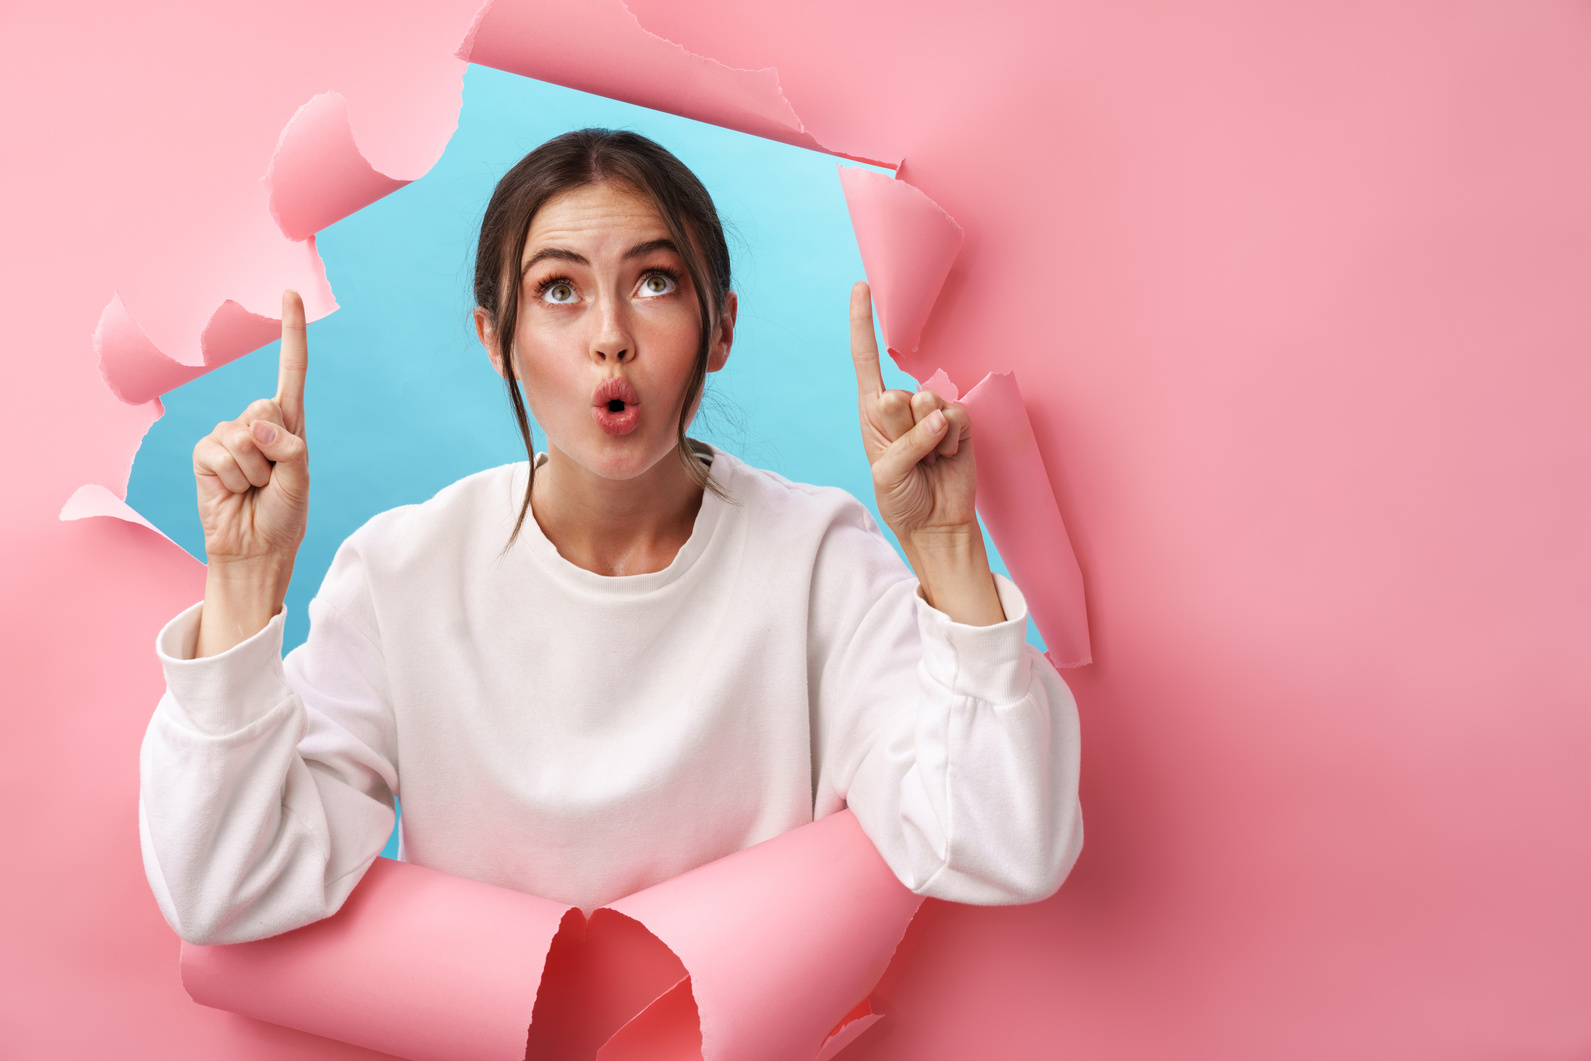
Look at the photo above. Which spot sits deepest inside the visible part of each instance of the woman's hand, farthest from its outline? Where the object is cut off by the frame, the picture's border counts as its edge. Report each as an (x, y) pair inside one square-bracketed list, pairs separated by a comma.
[(252, 476), (925, 479)]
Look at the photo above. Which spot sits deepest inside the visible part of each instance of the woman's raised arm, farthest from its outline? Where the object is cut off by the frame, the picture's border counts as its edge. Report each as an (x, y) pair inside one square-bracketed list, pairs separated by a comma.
[(925, 479), (955, 742), (266, 788), (252, 477)]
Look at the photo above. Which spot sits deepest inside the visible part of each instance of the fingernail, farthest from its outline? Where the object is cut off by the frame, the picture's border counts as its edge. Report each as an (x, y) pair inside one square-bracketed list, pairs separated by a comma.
[(264, 432), (935, 421)]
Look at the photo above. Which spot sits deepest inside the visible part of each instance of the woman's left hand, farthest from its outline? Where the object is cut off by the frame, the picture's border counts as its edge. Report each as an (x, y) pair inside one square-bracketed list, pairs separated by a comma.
[(920, 446), (925, 479)]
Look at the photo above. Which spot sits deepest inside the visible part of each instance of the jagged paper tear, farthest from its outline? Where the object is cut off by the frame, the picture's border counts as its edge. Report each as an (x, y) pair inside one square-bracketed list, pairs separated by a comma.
[(600, 47), (137, 371), (908, 243), (1018, 507), (317, 176), (92, 499), (317, 173), (778, 945)]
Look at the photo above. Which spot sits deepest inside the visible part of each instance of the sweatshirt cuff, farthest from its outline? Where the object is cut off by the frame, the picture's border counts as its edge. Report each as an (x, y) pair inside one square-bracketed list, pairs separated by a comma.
[(989, 663), (221, 694)]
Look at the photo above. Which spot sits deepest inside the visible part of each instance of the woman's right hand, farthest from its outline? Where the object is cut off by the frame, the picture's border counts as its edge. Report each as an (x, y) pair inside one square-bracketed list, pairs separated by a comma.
[(252, 476)]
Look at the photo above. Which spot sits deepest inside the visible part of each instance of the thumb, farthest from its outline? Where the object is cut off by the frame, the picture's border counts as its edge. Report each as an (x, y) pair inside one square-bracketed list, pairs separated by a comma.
[(897, 461), (289, 454)]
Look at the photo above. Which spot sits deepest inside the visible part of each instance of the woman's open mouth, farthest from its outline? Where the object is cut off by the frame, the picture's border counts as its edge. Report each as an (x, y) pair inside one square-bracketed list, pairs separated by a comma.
[(616, 406)]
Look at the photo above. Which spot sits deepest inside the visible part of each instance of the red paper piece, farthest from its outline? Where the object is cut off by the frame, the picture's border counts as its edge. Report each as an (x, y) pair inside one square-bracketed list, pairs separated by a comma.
[(849, 1030), (666, 1030), (599, 975)]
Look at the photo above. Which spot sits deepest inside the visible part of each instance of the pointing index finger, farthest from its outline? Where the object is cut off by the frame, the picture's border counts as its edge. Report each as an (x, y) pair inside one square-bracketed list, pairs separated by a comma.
[(864, 347), (293, 364)]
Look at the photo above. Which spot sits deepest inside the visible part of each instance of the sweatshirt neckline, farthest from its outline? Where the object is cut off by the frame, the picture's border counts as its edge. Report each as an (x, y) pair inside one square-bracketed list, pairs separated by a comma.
[(708, 518)]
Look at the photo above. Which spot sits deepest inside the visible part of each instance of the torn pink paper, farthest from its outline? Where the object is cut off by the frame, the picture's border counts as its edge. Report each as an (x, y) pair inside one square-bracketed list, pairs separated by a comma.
[(417, 963), (135, 369), (666, 1030), (601, 48), (601, 975), (317, 174), (908, 243), (1018, 506), (783, 939), (941, 384), (764, 954), (92, 499), (1288, 307), (849, 1031)]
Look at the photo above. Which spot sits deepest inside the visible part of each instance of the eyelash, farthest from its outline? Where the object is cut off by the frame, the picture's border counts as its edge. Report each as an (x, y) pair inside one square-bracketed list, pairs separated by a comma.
[(551, 282), (664, 270)]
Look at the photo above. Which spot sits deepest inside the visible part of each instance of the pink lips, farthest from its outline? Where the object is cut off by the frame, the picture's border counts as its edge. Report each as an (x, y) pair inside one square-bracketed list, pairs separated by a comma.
[(615, 406)]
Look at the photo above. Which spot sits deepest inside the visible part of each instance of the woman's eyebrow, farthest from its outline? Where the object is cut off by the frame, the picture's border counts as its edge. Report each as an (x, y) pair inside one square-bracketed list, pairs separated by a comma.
[(557, 254), (641, 250)]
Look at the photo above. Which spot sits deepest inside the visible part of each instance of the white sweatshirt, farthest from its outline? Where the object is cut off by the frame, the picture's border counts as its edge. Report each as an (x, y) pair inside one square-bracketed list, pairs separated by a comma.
[(581, 737)]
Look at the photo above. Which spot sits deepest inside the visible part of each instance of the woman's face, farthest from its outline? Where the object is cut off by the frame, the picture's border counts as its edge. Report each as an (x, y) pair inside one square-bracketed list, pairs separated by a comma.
[(607, 330)]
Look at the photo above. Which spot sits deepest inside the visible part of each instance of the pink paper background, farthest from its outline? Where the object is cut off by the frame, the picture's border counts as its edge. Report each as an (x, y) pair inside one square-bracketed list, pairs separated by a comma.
[(1298, 295)]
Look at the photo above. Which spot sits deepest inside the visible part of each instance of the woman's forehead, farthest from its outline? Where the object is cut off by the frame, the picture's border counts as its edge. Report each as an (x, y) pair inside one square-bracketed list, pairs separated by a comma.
[(600, 217)]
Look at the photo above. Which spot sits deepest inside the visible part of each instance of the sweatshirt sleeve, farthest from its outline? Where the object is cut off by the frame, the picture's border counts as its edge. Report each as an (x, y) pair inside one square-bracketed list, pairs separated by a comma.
[(267, 786), (956, 746)]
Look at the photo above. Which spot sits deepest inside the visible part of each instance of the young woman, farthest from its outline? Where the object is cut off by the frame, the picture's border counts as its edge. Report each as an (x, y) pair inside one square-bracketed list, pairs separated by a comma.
[(621, 659)]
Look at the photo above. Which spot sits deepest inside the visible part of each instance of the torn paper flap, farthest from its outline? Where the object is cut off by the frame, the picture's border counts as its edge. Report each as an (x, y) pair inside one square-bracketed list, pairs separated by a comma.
[(130, 364), (600, 47), (666, 1030), (92, 499), (318, 175), (417, 963), (137, 371), (600, 974), (940, 384), (908, 244), (768, 953), (849, 1030), (782, 940), (1018, 507)]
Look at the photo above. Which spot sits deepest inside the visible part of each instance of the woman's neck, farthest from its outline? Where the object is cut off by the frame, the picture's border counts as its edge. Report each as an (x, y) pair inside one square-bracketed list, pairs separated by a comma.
[(615, 527)]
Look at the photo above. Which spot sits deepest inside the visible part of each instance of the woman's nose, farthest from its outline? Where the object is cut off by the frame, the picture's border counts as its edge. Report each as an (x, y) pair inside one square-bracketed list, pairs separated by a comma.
[(613, 340)]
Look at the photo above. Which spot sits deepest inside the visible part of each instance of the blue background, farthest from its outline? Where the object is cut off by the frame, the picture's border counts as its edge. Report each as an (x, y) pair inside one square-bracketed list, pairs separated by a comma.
[(401, 400)]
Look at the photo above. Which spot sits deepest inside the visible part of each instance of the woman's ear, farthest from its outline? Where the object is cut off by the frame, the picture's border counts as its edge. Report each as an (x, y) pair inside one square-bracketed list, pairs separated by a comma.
[(487, 334), (723, 334)]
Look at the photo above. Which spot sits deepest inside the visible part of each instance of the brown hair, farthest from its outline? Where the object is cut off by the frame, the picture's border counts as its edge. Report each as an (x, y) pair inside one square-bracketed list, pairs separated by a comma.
[(595, 156)]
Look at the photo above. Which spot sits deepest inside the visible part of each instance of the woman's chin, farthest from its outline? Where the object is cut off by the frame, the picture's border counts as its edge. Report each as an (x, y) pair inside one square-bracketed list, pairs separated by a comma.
[(620, 458)]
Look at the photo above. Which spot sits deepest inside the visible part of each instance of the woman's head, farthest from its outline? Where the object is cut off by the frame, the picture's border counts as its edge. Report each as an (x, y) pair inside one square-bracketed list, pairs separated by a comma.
[(602, 284)]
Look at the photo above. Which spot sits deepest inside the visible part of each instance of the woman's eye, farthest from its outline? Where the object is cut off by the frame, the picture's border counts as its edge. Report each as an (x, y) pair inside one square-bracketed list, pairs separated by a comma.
[(657, 284), (558, 293)]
